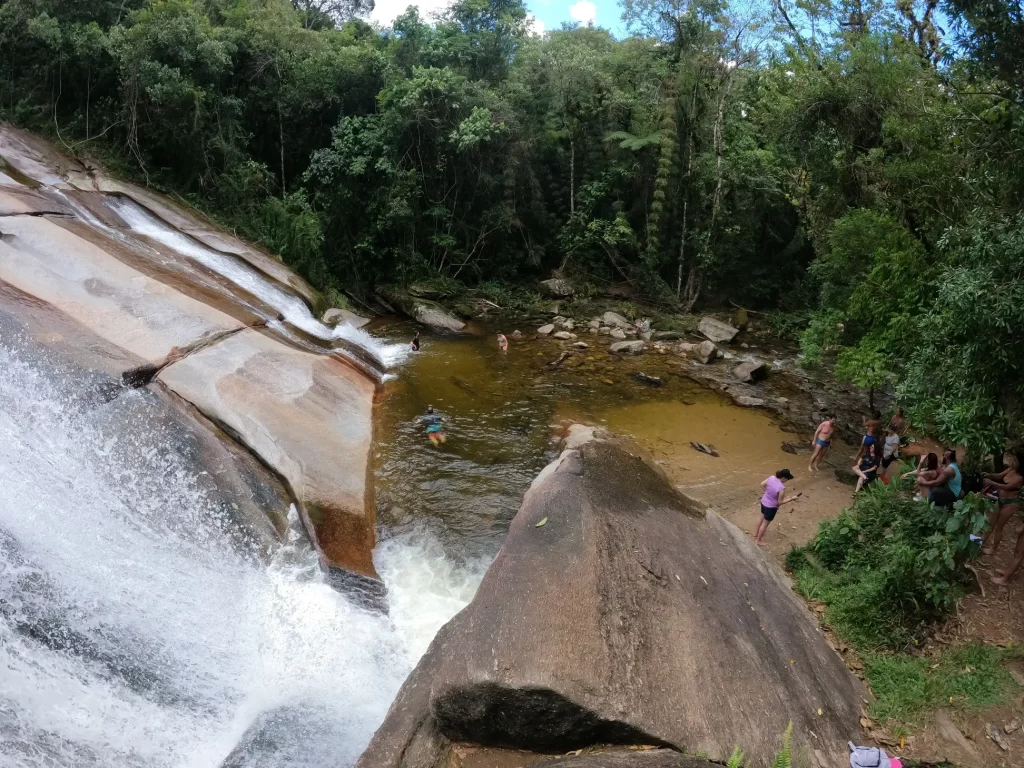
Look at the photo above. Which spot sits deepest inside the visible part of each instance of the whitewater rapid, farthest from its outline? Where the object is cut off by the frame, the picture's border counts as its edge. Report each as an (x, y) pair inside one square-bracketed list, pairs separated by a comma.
[(134, 633)]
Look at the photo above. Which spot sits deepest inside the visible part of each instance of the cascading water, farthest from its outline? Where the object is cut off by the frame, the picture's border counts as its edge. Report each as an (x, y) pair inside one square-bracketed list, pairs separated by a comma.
[(133, 633), (291, 306)]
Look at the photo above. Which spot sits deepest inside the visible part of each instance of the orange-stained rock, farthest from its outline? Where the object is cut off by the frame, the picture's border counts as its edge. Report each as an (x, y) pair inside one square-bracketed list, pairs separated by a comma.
[(306, 415)]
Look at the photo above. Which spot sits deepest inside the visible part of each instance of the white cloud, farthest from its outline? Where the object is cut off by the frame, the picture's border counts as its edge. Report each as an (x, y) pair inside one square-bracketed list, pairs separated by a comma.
[(585, 12), (536, 26), (386, 11)]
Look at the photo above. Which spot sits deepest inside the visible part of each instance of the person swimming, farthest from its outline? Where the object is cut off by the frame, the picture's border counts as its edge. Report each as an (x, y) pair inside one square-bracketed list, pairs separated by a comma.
[(415, 344), (502, 343), (435, 426)]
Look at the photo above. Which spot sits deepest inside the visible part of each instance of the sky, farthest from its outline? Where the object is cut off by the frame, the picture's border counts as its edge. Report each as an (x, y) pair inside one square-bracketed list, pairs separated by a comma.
[(545, 15)]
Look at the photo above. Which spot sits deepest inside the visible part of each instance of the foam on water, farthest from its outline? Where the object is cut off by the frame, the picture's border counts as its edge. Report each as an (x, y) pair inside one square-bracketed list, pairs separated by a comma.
[(132, 633), (245, 276)]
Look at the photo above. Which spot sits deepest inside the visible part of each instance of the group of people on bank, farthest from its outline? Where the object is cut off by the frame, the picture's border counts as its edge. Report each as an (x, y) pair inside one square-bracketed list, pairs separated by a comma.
[(938, 481)]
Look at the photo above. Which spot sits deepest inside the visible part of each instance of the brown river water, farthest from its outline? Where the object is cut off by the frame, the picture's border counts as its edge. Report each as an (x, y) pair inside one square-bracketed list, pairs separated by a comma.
[(501, 411)]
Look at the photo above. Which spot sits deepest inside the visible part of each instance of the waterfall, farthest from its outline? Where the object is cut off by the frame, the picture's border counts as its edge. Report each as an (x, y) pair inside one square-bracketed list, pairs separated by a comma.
[(133, 633), (245, 276)]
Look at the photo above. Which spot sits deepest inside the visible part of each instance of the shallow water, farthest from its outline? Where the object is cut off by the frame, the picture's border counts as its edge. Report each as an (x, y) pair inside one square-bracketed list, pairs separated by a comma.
[(500, 412)]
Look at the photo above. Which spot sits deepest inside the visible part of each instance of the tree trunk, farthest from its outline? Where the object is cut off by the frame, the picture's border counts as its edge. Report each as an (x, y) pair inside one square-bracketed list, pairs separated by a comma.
[(88, 92), (572, 176), (280, 138)]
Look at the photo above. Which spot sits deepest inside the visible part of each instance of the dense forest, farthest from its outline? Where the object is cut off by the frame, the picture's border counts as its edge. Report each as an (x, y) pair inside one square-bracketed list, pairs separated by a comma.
[(854, 166)]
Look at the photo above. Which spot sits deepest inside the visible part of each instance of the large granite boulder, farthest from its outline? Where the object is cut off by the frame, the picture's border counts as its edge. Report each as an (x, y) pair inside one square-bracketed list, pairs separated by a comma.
[(716, 330), (308, 416), (557, 288), (619, 611)]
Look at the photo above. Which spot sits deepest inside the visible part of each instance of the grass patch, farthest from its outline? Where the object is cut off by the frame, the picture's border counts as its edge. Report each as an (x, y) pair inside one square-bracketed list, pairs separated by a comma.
[(968, 677)]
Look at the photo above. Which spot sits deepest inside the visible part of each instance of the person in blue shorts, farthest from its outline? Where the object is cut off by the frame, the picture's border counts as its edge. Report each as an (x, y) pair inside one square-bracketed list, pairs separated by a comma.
[(822, 442), (871, 436)]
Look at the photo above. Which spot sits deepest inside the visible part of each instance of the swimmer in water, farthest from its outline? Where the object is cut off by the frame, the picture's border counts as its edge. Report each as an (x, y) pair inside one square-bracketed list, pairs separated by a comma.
[(415, 342), (502, 343), (435, 429)]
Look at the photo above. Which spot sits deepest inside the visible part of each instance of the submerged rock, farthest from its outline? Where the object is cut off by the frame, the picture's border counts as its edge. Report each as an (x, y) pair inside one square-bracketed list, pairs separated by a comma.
[(563, 335), (628, 347), (617, 333), (716, 330), (620, 612)]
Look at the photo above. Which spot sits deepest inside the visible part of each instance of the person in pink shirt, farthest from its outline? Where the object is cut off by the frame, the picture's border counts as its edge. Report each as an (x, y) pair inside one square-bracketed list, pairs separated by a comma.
[(774, 497)]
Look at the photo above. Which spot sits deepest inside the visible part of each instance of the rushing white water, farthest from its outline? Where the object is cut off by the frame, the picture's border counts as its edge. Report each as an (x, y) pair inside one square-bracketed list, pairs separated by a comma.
[(132, 633), (250, 279)]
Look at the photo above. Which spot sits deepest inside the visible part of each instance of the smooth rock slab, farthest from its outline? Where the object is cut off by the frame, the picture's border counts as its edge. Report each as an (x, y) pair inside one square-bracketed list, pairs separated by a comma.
[(307, 416), (432, 316), (633, 615), (336, 316), (716, 330), (544, 330), (142, 316)]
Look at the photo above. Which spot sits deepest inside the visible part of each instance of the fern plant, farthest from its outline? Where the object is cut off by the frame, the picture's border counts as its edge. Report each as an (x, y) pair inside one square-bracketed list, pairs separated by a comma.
[(736, 759), (785, 757)]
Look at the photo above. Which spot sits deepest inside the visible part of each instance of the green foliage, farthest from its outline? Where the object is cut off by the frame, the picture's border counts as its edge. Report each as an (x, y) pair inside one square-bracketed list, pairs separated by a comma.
[(888, 566), (840, 178), (784, 759), (735, 759), (968, 677)]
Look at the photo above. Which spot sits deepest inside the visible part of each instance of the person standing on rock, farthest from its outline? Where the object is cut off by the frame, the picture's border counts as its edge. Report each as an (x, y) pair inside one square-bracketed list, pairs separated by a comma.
[(773, 498), (822, 442), (502, 343)]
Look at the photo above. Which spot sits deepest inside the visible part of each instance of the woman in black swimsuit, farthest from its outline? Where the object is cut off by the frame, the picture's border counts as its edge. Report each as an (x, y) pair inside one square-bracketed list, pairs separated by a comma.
[(867, 469), (1007, 486)]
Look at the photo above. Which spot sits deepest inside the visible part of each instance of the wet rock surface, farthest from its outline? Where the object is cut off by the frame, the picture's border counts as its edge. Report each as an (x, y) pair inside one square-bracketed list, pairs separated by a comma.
[(116, 285), (716, 330), (611, 595)]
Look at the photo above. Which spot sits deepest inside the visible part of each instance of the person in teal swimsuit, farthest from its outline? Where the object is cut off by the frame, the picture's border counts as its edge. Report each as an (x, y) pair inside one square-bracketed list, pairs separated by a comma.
[(435, 426), (945, 489)]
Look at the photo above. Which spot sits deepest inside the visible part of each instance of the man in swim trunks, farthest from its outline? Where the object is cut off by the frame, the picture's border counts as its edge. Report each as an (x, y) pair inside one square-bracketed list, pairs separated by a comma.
[(822, 442), (871, 427), (1007, 486), (415, 342), (435, 429), (502, 343), (773, 498)]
